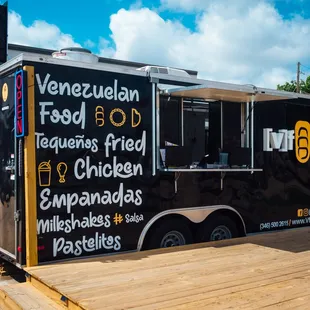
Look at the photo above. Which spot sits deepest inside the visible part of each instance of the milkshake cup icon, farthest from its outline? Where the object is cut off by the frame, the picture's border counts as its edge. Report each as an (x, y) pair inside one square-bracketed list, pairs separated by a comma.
[(45, 171)]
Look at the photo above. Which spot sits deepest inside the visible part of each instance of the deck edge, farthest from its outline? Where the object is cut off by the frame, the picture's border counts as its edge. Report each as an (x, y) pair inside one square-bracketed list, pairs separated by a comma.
[(52, 293)]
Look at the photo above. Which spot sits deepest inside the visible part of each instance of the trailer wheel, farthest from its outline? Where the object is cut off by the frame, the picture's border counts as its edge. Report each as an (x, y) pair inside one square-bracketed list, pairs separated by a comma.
[(170, 233), (217, 228)]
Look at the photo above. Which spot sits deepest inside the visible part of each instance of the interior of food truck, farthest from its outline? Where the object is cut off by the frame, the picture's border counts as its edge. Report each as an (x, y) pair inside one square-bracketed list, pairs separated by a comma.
[(204, 134), (209, 127)]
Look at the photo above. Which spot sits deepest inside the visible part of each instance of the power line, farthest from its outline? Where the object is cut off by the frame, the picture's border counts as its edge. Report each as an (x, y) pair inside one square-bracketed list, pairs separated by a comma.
[(305, 66), (298, 74)]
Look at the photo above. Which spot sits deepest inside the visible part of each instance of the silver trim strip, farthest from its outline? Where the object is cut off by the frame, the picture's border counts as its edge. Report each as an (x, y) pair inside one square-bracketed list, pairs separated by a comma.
[(200, 83), (153, 129), (64, 62), (222, 128), (111, 68), (252, 132), (18, 149), (7, 253), (209, 170), (158, 129), (182, 121), (195, 215), (11, 64), (247, 124)]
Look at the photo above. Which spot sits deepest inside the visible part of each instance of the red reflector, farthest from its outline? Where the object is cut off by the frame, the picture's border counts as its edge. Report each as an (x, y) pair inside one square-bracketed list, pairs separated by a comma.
[(19, 249), (41, 247)]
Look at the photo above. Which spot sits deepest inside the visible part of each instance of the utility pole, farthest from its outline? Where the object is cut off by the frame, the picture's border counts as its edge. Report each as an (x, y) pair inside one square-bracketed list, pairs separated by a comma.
[(298, 77)]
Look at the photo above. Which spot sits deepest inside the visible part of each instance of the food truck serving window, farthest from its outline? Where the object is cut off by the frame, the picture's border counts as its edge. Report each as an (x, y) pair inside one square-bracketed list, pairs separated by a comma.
[(208, 127)]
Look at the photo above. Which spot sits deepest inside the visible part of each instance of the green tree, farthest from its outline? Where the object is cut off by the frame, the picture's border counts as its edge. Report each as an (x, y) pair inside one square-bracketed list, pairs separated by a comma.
[(291, 86)]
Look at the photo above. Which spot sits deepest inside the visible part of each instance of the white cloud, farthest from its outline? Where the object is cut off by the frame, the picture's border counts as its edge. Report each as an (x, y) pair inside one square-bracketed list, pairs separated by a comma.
[(136, 5), (89, 44), (242, 41), (141, 35), (39, 34), (184, 5), (245, 41), (105, 49), (275, 76)]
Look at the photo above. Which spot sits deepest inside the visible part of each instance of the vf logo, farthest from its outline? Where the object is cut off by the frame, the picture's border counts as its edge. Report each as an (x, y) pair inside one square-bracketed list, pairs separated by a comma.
[(285, 140)]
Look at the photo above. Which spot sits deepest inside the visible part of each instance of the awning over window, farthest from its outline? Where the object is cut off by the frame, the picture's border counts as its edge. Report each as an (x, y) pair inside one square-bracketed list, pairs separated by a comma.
[(232, 93)]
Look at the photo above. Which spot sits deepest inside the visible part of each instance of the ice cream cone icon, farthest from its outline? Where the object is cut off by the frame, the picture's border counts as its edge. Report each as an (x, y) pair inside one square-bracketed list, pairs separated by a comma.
[(45, 170), (62, 170)]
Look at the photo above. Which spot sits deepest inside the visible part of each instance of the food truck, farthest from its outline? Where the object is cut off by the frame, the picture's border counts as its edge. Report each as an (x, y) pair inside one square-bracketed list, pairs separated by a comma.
[(97, 160)]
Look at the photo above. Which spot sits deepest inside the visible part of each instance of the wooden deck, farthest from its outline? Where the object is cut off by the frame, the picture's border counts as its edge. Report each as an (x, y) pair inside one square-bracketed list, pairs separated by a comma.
[(265, 271)]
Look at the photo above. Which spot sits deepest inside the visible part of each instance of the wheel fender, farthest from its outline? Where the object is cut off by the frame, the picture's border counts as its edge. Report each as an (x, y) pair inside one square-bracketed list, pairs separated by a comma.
[(195, 215)]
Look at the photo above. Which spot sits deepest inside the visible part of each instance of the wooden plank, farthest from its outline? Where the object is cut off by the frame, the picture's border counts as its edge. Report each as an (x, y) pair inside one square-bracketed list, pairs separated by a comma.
[(53, 294), (247, 273), (7, 303), (25, 296), (301, 303), (256, 298), (212, 256), (154, 275), (30, 177), (179, 288)]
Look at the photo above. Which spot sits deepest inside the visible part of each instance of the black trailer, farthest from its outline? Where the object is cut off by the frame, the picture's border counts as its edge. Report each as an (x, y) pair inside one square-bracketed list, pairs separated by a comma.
[(96, 160)]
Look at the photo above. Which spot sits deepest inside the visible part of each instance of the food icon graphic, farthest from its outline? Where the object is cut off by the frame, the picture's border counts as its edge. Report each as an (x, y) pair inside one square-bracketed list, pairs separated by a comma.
[(99, 116), (62, 170), (135, 123), (5, 92), (45, 171)]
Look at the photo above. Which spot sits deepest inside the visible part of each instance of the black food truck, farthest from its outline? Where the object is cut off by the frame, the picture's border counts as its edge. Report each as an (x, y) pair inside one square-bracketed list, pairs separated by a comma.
[(97, 160)]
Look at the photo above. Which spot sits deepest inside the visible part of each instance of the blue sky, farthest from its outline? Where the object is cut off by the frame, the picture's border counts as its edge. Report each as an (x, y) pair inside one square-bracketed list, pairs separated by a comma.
[(86, 20), (177, 33)]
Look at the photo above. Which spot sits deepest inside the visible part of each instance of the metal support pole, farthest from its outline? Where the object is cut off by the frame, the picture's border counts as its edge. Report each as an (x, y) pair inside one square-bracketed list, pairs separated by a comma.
[(247, 125), (154, 129), (157, 105), (222, 133), (222, 143), (252, 133), (182, 121)]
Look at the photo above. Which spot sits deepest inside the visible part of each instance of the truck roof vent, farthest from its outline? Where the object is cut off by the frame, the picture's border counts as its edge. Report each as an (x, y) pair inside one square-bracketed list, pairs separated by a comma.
[(76, 54)]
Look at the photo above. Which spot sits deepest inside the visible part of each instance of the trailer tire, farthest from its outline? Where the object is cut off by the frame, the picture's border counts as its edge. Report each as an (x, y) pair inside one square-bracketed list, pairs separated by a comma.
[(169, 233), (217, 228)]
